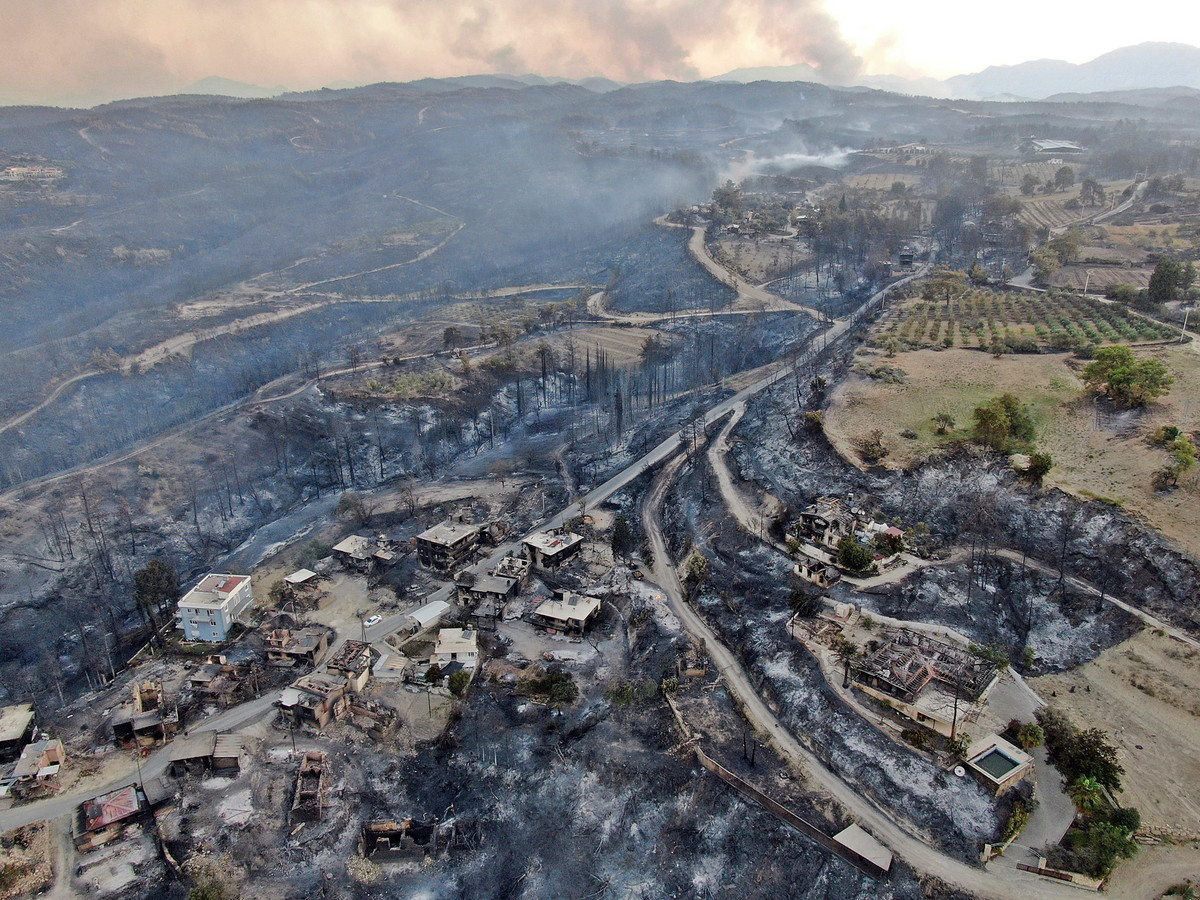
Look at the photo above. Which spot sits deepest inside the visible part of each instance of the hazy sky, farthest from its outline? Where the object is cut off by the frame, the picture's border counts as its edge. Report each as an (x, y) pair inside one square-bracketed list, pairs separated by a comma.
[(83, 51)]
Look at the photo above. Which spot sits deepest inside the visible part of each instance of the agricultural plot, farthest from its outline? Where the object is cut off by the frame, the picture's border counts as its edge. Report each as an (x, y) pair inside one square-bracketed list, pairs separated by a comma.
[(883, 181), (1097, 278), (1023, 323)]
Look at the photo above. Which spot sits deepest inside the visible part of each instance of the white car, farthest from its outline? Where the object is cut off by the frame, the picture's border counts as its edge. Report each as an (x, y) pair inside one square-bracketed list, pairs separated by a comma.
[(372, 622)]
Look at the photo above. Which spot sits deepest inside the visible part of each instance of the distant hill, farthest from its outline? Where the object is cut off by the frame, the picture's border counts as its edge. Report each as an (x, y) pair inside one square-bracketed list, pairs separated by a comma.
[(1149, 65), (216, 86), (1144, 66)]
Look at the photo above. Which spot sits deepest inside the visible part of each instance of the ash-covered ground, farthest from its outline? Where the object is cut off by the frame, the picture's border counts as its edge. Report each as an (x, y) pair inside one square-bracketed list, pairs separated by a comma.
[(745, 598), (594, 798)]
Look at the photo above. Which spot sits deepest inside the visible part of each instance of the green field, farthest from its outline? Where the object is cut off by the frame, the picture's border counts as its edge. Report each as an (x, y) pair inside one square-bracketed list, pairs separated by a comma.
[(1027, 323)]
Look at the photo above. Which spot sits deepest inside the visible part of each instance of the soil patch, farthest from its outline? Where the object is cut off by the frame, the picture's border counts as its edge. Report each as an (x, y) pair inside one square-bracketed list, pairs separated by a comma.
[(1145, 692), (1099, 452)]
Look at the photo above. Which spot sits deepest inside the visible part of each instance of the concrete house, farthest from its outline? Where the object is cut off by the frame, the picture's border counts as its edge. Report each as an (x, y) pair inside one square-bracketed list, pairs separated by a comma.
[(456, 645), (305, 647), (208, 611), (826, 522), (353, 662), (16, 729), (448, 546), (551, 549), (568, 612), (935, 684)]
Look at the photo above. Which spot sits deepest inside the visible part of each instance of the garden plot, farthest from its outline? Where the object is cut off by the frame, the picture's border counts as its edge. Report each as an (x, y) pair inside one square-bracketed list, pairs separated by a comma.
[(1022, 322)]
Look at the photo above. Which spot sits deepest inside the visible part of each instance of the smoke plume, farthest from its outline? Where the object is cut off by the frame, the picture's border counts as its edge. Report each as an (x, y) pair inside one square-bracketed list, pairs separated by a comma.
[(83, 51)]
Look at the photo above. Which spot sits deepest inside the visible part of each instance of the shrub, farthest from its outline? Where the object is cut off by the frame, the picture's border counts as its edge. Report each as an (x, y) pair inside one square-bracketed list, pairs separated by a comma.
[(918, 737)]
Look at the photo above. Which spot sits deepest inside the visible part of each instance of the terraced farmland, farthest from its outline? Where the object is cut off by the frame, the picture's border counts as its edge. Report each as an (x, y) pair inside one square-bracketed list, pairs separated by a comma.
[(1022, 323)]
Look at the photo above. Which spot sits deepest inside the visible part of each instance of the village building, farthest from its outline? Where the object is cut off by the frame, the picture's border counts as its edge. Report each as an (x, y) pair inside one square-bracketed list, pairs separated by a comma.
[(389, 841), (208, 611), (312, 788), (218, 682), (314, 699), (353, 662), (816, 572), (551, 549), (39, 761), (192, 755), (427, 616), (567, 612), (448, 546), (16, 729), (937, 685), (826, 522), (362, 554), (305, 647), (999, 764), (146, 717), (105, 818), (456, 648)]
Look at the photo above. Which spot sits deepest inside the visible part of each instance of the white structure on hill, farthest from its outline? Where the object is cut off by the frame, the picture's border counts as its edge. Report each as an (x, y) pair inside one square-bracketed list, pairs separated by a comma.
[(208, 611)]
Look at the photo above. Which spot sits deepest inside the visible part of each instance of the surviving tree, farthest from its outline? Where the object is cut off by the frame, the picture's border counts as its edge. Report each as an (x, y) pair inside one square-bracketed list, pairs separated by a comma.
[(1126, 379), (622, 537)]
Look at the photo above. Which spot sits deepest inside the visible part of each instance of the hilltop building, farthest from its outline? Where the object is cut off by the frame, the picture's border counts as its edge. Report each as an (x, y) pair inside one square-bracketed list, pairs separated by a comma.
[(550, 549), (207, 612), (448, 546)]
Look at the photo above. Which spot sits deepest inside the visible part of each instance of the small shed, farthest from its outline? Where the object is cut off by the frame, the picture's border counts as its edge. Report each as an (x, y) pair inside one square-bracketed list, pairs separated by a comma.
[(427, 616)]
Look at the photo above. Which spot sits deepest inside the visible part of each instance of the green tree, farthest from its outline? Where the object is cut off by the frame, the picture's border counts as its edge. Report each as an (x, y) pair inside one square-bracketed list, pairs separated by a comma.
[(1090, 192), (458, 682), (992, 426), (433, 675), (846, 652), (1167, 280), (1031, 735), (1085, 792), (451, 337), (944, 422), (853, 556), (622, 537), (1039, 465), (1126, 379), (1030, 183), (1064, 178)]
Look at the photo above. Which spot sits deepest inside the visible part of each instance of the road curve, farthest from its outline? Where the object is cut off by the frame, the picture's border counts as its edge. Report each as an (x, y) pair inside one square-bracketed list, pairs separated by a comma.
[(998, 880)]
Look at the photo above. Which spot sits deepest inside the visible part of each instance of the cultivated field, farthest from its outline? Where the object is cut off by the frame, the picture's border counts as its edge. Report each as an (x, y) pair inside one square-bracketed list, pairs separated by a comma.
[(1145, 693), (883, 181), (1098, 451), (977, 318)]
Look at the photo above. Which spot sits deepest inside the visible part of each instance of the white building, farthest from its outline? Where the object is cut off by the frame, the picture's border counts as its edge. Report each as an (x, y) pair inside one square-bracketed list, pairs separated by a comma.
[(456, 645), (208, 611)]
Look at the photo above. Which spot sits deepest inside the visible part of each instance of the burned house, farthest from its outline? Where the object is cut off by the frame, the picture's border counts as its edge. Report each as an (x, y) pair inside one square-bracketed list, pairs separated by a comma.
[(448, 546), (362, 554), (567, 612), (146, 718), (352, 662), (551, 549), (372, 716), (816, 572), (826, 522), (314, 700), (312, 788), (17, 728), (218, 682), (192, 755), (40, 761), (390, 841), (287, 647), (105, 818), (934, 683)]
